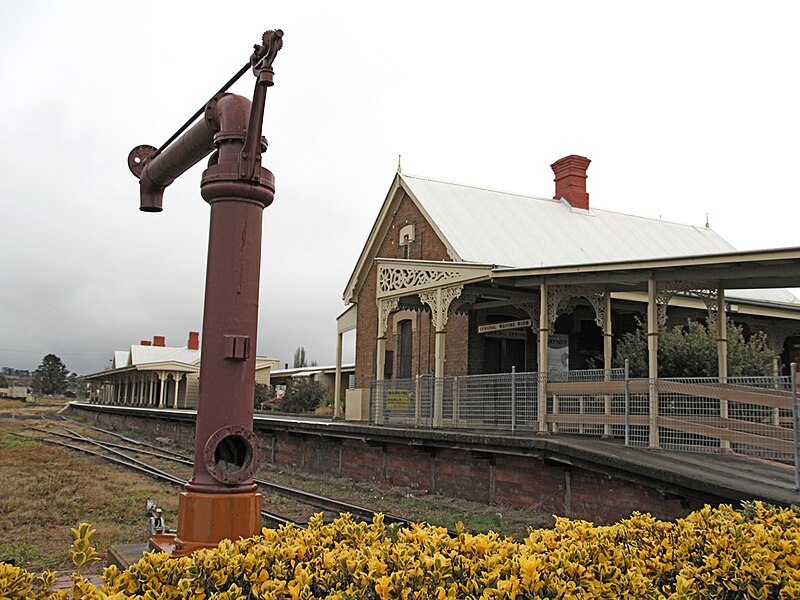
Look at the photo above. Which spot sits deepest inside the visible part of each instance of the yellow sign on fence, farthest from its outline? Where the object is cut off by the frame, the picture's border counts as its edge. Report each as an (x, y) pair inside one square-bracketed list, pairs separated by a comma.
[(397, 399)]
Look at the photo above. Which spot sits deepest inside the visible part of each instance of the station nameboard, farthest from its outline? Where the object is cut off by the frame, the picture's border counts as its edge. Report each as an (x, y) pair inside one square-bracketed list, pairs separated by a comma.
[(489, 327)]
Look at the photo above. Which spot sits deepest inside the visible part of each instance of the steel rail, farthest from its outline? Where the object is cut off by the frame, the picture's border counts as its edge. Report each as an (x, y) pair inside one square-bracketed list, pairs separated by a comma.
[(315, 500), (329, 503), (130, 440), (156, 474), (77, 436), (116, 452)]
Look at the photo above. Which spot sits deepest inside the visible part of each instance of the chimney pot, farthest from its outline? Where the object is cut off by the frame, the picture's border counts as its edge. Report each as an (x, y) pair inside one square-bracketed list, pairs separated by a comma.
[(159, 340), (194, 340), (145, 343), (570, 173)]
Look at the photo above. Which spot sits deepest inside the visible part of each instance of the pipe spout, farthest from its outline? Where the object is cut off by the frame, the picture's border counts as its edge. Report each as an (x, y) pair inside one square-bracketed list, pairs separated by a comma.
[(227, 114)]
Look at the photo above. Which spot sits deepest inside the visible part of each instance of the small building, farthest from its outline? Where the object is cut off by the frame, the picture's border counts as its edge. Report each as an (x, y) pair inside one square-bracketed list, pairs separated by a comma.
[(14, 392), (151, 373), (282, 378)]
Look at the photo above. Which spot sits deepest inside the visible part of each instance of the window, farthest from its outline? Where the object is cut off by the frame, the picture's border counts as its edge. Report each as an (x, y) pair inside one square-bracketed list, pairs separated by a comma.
[(405, 345)]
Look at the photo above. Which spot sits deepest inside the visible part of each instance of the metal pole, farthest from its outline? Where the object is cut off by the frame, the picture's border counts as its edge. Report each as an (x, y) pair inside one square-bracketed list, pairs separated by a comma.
[(795, 423), (627, 404), (417, 399), (513, 399), (373, 396), (432, 397)]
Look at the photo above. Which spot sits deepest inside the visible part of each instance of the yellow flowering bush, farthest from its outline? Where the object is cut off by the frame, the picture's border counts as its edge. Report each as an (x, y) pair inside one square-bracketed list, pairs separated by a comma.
[(719, 552)]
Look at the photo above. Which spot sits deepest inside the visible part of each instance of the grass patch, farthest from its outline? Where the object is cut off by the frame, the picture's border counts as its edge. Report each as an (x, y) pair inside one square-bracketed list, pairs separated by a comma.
[(20, 552), (11, 441), (48, 489), (9, 403)]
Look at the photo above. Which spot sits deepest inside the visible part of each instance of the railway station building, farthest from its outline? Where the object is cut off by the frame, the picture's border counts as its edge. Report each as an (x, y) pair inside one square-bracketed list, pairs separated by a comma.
[(153, 374), (457, 280)]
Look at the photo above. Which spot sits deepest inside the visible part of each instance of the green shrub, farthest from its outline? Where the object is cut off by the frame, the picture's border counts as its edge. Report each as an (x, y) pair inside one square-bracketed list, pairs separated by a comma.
[(303, 395), (691, 351)]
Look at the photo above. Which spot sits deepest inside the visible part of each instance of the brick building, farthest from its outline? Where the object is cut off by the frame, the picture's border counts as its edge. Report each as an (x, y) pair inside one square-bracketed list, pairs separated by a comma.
[(460, 280)]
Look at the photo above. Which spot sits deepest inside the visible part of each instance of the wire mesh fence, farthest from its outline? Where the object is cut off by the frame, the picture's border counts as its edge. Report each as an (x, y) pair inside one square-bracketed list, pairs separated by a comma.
[(746, 415), (504, 402)]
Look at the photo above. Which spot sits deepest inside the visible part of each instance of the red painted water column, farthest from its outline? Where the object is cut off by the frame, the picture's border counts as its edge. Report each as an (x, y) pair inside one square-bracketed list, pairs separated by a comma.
[(220, 501)]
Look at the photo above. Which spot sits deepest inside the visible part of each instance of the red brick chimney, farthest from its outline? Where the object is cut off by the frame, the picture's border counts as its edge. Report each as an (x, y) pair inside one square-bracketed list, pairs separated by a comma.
[(145, 343), (570, 173), (158, 340), (194, 340)]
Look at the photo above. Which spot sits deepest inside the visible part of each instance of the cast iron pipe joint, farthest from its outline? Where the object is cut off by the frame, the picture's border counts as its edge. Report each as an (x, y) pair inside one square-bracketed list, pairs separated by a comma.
[(231, 117), (228, 118)]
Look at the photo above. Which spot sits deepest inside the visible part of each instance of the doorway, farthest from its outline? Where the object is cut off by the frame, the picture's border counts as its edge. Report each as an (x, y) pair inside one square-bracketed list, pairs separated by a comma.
[(500, 354)]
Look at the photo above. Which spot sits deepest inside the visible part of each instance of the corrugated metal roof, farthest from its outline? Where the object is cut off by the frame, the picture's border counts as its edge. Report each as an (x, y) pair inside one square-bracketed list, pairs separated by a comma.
[(142, 355), (121, 359), (515, 230)]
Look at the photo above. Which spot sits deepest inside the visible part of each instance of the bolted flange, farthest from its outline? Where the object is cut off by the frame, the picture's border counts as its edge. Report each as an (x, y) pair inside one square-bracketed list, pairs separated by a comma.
[(231, 454)]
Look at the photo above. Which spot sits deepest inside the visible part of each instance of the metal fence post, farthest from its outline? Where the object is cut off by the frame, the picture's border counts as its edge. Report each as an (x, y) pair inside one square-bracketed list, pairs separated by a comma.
[(513, 399), (433, 401), (556, 408), (417, 400), (456, 402), (627, 404), (373, 410), (795, 423)]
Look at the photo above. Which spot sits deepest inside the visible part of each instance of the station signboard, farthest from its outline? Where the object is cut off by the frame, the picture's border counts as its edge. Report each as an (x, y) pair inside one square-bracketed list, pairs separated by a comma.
[(495, 327)]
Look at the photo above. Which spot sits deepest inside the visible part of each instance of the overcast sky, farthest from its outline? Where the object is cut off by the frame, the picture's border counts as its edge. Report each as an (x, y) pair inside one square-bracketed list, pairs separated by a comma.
[(684, 108)]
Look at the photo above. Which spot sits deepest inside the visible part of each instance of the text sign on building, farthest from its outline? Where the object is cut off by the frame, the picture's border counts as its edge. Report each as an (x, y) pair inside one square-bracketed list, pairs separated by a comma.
[(490, 327)]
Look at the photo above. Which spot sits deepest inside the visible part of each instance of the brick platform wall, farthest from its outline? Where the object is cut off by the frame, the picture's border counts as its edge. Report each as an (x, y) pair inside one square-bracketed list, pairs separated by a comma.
[(498, 479)]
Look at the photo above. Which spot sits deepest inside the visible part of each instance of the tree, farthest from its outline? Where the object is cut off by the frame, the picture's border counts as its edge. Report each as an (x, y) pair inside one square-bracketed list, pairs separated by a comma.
[(51, 377), (262, 393), (303, 395), (3, 381), (300, 358), (691, 351)]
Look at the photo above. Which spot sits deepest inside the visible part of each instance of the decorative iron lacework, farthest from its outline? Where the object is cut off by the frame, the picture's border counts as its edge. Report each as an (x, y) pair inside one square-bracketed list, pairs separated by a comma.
[(392, 279), (385, 307), (666, 290), (439, 301), (532, 310), (559, 296), (712, 301), (462, 301)]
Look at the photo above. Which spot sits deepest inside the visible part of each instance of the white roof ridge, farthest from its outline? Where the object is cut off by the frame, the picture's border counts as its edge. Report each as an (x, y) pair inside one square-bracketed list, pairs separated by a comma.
[(657, 219), (478, 187), (562, 201)]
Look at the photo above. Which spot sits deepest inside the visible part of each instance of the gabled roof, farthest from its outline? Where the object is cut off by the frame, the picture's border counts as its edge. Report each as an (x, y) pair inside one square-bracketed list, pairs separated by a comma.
[(141, 356), (122, 359), (151, 358), (516, 230)]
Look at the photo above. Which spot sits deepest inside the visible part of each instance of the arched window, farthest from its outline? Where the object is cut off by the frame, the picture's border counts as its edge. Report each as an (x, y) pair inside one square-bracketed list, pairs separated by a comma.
[(405, 345)]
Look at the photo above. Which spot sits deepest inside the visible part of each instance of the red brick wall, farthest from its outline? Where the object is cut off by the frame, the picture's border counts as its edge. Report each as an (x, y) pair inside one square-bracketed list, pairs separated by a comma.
[(505, 480), (501, 479), (426, 246)]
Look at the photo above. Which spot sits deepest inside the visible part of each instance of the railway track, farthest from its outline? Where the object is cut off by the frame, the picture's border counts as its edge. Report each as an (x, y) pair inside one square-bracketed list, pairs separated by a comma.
[(128, 455)]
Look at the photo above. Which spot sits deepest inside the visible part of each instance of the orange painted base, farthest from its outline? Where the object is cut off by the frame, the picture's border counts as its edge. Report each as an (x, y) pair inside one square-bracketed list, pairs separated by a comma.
[(204, 520)]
